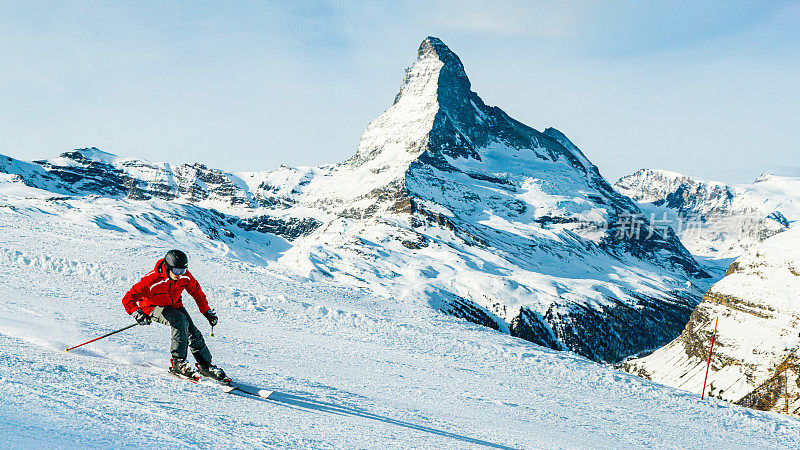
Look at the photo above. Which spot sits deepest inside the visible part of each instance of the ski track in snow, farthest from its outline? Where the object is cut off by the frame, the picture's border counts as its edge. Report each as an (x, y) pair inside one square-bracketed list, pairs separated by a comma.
[(349, 368)]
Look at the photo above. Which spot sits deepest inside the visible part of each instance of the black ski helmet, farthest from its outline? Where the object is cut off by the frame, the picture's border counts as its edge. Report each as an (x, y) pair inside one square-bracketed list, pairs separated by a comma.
[(176, 258)]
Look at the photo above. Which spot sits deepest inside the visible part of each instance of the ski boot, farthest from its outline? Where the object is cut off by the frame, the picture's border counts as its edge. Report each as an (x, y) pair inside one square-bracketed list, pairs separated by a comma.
[(212, 371), (183, 368)]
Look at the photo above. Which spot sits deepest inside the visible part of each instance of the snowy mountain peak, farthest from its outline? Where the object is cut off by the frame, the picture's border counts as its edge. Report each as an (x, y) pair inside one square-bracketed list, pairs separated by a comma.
[(89, 155), (650, 185), (437, 72), (97, 155), (433, 47), (441, 176)]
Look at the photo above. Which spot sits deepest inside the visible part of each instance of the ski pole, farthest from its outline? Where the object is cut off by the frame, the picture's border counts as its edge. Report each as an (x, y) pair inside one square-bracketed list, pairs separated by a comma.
[(101, 337), (705, 380)]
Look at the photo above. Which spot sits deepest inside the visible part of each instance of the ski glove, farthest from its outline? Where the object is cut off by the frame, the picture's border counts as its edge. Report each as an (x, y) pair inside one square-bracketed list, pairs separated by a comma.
[(141, 317), (212, 317)]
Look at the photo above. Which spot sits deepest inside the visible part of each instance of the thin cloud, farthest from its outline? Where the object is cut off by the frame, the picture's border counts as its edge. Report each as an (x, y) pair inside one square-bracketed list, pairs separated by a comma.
[(542, 19)]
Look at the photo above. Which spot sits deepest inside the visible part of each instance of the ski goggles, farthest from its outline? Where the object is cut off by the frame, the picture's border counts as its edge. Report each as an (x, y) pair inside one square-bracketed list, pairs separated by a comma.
[(178, 271)]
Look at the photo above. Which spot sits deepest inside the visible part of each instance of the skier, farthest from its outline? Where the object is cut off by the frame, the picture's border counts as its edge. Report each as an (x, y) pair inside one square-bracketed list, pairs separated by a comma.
[(157, 296)]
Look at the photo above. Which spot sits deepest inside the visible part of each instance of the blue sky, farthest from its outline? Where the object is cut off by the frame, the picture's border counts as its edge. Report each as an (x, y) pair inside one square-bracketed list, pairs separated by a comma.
[(710, 89)]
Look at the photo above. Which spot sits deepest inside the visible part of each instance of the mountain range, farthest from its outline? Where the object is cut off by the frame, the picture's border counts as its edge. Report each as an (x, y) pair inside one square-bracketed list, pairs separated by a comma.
[(447, 203), (715, 220)]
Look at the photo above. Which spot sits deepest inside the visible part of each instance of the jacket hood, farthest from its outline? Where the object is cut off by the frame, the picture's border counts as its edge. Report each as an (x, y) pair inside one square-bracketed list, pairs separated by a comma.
[(160, 267)]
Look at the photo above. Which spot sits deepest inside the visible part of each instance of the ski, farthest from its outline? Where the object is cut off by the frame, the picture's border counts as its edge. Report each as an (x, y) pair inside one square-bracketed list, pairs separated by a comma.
[(227, 385), (227, 381), (261, 393)]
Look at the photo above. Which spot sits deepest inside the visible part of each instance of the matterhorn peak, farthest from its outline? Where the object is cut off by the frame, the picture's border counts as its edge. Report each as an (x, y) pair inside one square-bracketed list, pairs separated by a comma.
[(437, 70), (437, 120), (433, 47)]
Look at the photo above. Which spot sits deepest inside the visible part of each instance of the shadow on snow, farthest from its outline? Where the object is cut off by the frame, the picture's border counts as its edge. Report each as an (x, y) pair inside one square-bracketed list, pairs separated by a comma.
[(307, 403)]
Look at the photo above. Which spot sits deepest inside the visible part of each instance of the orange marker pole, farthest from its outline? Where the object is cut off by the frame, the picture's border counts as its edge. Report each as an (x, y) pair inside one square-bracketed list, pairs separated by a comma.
[(708, 364)]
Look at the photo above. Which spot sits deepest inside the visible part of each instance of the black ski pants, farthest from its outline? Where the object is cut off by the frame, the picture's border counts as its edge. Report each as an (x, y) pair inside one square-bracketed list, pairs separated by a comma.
[(184, 334)]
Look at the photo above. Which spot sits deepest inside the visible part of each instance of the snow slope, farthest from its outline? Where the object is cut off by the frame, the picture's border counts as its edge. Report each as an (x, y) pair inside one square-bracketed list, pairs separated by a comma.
[(350, 368)]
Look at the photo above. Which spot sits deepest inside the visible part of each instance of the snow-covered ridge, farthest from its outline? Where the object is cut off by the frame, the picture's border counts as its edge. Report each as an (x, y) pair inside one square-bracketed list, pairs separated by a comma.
[(653, 185), (714, 219), (447, 203), (90, 170)]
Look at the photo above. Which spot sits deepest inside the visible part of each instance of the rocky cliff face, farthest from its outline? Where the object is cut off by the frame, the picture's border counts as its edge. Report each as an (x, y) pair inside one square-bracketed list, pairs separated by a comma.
[(754, 355), (714, 219), (452, 204)]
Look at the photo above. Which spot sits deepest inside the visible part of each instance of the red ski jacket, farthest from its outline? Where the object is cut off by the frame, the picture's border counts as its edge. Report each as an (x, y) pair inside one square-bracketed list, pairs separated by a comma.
[(157, 289)]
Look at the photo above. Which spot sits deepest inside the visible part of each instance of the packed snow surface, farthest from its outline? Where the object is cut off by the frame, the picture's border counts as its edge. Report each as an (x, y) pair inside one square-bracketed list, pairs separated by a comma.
[(349, 368)]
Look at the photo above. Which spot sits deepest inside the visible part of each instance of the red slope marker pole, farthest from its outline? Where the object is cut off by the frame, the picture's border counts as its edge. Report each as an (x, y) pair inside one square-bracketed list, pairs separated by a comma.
[(101, 337), (708, 364)]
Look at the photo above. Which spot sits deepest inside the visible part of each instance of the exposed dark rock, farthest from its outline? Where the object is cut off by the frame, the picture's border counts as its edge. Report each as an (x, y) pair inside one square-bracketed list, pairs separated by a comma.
[(419, 241), (733, 268), (770, 395), (493, 179), (90, 176), (289, 229), (762, 310)]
